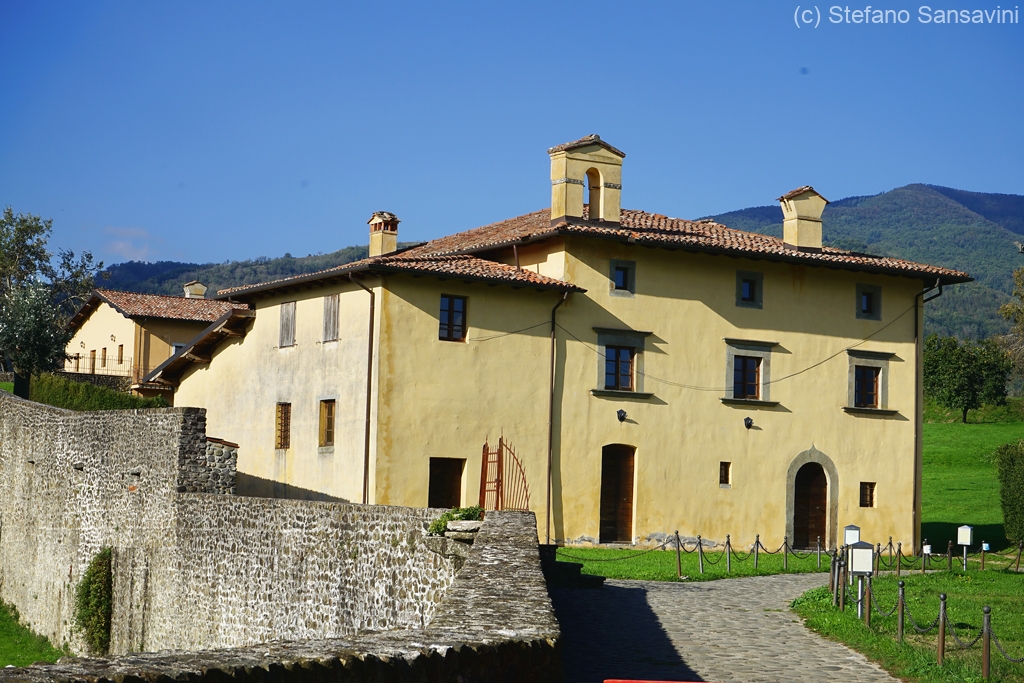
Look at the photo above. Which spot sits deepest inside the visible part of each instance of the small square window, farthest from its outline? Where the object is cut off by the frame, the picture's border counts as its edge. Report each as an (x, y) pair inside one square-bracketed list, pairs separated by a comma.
[(749, 286), (623, 277), (867, 494), (620, 276), (618, 368), (452, 325), (283, 426), (326, 423), (869, 302), (865, 389), (746, 381), (724, 473)]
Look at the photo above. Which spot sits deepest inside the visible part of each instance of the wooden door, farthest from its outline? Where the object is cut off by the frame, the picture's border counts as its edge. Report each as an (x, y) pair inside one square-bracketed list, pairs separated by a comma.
[(445, 487), (616, 494), (809, 506)]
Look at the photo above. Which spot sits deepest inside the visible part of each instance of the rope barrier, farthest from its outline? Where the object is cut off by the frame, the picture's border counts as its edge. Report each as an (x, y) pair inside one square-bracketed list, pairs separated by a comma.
[(613, 559), (874, 599), (917, 627)]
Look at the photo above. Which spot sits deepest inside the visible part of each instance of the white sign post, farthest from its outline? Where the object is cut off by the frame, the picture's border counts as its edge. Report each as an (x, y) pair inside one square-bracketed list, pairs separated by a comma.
[(965, 537), (862, 563)]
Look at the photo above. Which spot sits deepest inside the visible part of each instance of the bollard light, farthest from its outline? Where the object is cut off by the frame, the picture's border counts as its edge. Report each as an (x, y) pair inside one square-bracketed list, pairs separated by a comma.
[(965, 535), (862, 559), (851, 534)]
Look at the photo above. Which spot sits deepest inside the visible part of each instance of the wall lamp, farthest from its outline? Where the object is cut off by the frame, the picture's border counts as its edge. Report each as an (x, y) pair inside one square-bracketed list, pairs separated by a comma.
[(621, 414), (748, 422)]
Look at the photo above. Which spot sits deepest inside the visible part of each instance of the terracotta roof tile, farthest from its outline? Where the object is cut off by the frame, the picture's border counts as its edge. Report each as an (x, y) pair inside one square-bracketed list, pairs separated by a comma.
[(454, 266), (136, 305), (801, 190), (660, 230), (593, 139), (651, 229)]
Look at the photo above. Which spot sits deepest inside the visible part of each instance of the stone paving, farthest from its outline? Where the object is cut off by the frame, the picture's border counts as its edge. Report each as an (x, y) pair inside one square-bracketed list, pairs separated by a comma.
[(731, 630)]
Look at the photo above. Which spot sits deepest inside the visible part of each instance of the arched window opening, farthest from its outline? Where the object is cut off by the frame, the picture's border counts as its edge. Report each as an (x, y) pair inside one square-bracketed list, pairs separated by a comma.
[(595, 190)]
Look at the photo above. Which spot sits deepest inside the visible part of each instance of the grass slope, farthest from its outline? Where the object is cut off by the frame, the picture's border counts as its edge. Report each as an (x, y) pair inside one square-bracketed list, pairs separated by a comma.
[(19, 646), (969, 231), (7, 386)]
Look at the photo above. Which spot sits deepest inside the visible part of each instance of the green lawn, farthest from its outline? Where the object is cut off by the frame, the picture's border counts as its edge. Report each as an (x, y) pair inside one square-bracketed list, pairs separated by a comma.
[(916, 661), (19, 646), (7, 386), (960, 486), (660, 565)]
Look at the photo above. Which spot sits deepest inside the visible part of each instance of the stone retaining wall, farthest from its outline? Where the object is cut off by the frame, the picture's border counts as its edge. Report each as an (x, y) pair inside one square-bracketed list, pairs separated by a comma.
[(6, 377), (494, 625), (192, 570)]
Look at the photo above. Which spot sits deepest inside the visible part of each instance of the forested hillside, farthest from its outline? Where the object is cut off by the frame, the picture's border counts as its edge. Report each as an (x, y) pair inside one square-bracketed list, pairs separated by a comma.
[(970, 231)]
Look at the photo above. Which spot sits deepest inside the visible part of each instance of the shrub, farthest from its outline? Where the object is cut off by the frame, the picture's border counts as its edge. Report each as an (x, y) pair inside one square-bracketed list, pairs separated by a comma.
[(65, 393), (440, 525), (1010, 464), (94, 602)]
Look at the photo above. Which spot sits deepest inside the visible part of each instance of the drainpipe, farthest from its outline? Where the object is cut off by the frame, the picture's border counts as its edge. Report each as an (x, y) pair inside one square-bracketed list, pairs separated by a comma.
[(918, 302), (369, 393), (551, 417)]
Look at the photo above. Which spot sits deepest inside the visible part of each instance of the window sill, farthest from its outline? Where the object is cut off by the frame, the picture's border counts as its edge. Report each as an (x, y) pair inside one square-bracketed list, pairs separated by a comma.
[(618, 393), (748, 402), (325, 450), (869, 411), (725, 486)]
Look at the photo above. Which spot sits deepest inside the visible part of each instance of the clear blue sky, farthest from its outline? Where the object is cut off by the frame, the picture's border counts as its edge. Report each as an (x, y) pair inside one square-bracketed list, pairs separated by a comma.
[(207, 131)]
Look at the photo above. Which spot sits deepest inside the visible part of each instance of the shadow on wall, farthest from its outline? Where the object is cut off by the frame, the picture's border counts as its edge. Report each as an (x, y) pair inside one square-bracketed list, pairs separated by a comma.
[(613, 633), (258, 487)]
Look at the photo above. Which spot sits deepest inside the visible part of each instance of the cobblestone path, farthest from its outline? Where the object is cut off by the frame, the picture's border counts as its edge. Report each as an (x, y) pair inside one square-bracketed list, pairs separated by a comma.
[(731, 630)]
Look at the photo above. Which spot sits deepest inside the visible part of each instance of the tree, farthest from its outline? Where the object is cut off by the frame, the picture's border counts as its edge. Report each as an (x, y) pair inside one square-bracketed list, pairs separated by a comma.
[(965, 375), (37, 299), (1010, 465)]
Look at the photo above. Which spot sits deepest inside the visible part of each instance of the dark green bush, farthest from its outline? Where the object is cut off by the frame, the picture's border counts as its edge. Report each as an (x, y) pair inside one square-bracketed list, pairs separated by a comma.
[(94, 602), (1010, 464), (440, 525), (65, 393)]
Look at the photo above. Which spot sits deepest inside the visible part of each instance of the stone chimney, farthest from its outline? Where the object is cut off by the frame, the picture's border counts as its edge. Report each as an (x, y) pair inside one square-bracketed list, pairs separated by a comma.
[(586, 171), (383, 233), (801, 225), (195, 290)]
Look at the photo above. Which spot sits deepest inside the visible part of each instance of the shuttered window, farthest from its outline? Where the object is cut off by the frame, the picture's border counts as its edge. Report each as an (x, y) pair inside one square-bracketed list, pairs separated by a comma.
[(287, 324), (326, 423), (283, 426), (331, 317)]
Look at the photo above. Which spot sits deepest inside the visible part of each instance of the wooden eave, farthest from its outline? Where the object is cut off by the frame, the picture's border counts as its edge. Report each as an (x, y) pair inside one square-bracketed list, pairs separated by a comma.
[(234, 323)]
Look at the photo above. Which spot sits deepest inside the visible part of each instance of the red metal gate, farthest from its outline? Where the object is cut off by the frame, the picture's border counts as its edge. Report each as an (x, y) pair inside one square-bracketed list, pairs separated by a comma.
[(502, 479)]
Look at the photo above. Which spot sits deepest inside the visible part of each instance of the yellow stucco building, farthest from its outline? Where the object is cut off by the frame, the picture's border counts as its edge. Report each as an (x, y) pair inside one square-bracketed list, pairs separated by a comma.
[(126, 334), (650, 373)]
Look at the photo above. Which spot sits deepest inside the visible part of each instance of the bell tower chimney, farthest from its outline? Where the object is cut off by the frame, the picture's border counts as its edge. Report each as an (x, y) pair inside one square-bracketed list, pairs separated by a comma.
[(801, 225), (383, 233), (586, 171)]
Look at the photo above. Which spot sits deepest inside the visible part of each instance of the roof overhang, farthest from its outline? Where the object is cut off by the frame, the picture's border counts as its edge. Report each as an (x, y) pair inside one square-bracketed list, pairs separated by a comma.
[(234, 323)]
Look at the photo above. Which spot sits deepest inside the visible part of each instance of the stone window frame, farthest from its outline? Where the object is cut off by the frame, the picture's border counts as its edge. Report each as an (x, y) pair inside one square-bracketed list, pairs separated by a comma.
[(725, 468), (756, 349), (871, 489), (871, 359), (630, 290), (617, 337), (758, 301), (869, 289)]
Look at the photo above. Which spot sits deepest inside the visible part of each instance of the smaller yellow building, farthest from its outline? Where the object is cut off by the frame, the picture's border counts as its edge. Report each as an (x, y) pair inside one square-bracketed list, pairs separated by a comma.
[(127, 334)]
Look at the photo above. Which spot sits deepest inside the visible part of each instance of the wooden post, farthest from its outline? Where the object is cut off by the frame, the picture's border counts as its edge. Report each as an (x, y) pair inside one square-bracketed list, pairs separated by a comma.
[(878, 557), (942, 628), (679, 558), (900, 606), (986, 643), (867, 602), (842, 589)]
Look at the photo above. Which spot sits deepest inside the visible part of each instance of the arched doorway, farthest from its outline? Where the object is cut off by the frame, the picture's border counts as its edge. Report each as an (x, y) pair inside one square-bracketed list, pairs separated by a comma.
[(810, 503), (616, 494)]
